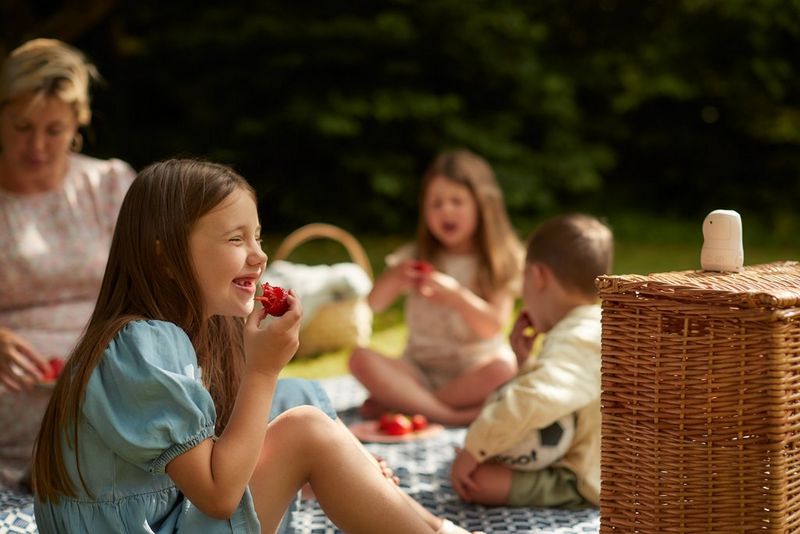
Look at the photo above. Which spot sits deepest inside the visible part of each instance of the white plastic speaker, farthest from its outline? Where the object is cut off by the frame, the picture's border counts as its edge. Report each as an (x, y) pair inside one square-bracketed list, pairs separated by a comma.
[(722, 242)]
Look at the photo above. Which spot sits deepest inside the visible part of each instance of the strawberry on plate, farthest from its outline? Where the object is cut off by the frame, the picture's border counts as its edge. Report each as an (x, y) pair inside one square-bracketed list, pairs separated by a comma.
[(398, 424), (393, 427), (274, 299), (419, 422)]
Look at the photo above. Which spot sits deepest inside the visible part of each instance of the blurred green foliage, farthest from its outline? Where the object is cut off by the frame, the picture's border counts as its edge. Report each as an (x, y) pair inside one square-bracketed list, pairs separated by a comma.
[(332, 109)]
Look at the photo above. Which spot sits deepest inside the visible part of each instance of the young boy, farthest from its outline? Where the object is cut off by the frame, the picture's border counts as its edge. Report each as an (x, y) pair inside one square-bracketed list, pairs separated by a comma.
[(562, 385)]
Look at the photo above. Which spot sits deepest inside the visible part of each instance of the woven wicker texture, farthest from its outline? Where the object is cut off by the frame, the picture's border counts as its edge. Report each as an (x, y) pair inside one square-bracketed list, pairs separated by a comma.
[(701, 401), (340, 324)]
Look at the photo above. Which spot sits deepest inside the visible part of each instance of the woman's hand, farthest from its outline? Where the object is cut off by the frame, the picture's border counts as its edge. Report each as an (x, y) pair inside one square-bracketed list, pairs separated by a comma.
[(522, 338), (270, 348), (20, 365)]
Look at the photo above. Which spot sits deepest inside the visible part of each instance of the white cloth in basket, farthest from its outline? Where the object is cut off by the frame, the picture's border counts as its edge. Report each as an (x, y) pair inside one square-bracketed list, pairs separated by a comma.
[(316, 285)]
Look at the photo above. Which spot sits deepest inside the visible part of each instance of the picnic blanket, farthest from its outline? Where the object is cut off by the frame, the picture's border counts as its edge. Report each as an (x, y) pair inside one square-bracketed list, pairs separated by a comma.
[(423, 469)]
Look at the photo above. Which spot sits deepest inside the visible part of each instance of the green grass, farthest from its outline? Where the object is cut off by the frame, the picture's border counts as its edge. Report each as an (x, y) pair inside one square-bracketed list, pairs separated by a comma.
[(642, 246)]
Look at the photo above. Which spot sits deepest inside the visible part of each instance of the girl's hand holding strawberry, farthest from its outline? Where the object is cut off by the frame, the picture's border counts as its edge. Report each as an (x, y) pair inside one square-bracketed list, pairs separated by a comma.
[(406, 275), (270, 348), (438, 287)]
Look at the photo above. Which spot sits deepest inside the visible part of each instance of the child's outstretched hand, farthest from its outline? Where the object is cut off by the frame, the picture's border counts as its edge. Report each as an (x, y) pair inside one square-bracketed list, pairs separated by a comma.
[(270, 348), (522, 338)]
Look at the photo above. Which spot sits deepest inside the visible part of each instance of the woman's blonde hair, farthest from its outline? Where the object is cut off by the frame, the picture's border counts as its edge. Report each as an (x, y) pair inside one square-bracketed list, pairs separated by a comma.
[(48, 67), (499, 249), (149, 275)]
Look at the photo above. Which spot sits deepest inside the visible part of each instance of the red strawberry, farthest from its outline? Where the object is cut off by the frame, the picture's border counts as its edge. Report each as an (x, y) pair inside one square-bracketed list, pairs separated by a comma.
[(274, 299), (53, 371), (384, 420), (398, 425), (419, 422), (423, 267)]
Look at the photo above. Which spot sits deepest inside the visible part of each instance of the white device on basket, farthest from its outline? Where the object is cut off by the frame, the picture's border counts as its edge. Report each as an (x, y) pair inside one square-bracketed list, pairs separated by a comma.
[(722, 242)]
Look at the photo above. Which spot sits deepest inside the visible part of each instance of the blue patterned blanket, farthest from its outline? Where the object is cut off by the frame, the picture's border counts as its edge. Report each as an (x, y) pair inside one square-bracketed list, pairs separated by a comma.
[(422, 467)]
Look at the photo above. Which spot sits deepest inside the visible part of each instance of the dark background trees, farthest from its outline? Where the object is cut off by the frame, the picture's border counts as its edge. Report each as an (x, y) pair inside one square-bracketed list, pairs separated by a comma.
[(332, 109)]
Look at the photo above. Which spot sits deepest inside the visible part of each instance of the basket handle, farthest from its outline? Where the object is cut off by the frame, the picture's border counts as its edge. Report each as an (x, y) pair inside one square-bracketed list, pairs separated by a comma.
[(321, 230)]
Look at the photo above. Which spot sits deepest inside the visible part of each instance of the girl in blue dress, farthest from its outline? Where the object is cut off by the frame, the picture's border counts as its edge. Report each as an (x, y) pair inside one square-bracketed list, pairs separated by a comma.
[(160, 421)]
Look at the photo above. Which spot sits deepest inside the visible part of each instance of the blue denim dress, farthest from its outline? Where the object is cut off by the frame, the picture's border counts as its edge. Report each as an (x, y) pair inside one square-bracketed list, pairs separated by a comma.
[(145, 405)]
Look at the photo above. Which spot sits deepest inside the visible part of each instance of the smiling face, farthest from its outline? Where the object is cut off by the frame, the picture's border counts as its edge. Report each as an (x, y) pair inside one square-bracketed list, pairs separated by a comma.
[(451, 214), (225, 248), (35, 140)]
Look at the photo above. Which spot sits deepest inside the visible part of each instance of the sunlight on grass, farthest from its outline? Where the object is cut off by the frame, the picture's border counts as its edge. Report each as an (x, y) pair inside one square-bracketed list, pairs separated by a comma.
[(389, 341)]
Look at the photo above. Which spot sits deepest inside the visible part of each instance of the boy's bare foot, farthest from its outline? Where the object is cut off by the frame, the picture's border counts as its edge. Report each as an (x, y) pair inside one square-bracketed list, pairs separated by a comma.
[(372, 409)]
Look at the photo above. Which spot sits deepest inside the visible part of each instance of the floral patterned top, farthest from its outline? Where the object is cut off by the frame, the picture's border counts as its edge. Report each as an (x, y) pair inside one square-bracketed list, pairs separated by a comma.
[(55, 246), (54, 250)]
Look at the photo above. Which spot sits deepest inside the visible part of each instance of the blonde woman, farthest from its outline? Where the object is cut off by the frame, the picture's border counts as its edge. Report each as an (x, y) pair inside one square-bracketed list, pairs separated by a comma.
[(57, 213)]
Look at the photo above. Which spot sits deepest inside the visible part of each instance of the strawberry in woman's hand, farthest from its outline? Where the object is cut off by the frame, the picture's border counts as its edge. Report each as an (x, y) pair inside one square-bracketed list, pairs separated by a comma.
[(274, 299), (53, 370)]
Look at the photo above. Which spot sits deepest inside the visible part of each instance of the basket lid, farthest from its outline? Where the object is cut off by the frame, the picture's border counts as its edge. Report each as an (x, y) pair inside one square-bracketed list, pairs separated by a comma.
[(774, 285)]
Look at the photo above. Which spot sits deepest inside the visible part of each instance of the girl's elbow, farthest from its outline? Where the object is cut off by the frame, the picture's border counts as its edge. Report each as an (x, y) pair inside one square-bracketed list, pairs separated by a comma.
[(221, 508)]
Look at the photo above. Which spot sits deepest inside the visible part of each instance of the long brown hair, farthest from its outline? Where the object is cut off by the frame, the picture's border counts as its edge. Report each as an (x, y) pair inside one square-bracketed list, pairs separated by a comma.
[(149, 275), (499, 249)]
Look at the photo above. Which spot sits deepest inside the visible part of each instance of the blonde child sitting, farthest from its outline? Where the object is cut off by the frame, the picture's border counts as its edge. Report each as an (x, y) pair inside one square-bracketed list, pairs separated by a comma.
[(562, 385), (457, 300)]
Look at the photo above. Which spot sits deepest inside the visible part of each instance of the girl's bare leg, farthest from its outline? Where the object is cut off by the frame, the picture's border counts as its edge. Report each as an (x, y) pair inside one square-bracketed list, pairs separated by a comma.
[(433, 521), (304, 444), (475, 383), (394, 384)]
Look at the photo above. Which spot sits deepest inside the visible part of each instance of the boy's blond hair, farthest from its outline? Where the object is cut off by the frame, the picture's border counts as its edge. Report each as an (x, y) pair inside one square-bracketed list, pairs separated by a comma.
[(576, 247)]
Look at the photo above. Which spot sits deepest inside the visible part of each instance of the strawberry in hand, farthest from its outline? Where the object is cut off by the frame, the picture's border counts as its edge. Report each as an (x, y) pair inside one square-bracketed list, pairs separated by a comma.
[(53, 369), (274, 299), (423, 267)]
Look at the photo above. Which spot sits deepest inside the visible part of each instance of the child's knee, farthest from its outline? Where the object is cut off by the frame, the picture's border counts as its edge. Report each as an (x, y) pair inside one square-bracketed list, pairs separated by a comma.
[(500, 371), (359, 361), (302, 425), (493, 485), (294, 392)]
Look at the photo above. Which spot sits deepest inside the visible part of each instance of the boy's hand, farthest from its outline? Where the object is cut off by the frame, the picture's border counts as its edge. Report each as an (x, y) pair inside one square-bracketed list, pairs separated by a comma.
[(464, 465), (270, 348), (522, 338)]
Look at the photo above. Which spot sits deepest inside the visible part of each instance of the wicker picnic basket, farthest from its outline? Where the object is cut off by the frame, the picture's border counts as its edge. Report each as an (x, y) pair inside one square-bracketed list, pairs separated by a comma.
[(701, 401), (340, 324)]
